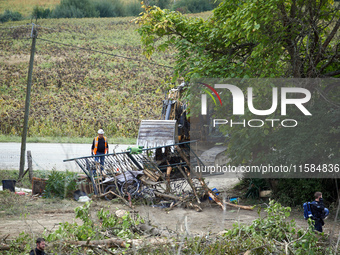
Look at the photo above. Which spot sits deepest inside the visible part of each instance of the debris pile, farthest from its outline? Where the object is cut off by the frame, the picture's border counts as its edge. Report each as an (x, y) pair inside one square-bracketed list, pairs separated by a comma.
[(160, 176)]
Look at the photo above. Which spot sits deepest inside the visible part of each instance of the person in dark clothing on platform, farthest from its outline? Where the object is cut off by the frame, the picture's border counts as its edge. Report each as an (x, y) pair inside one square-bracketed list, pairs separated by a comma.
[(318, 211), (100, 147), (39, 250)]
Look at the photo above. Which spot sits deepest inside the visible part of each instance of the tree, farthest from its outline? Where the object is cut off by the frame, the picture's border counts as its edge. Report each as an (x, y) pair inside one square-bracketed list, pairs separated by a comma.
[(262, 39), (251, 38)]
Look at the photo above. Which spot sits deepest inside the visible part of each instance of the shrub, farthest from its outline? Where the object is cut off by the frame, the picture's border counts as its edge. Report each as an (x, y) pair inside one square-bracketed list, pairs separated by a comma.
[(40, 13), (67, 12), (195, 6), (295, 192), (163, 4), (133, 8), (10, 16), (275, 234), (75, 9), (107, 8), (60, 184)]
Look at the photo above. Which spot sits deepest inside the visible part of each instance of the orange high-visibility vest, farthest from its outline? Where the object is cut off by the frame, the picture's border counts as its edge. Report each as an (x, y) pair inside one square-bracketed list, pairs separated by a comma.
[(96, 145)]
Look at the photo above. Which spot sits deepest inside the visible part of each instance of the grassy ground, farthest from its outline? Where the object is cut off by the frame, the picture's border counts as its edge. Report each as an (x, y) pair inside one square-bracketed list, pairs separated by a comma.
[(51, 139)]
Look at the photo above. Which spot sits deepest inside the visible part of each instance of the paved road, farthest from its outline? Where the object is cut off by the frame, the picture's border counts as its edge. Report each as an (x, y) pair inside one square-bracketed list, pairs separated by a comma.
[(48, 156)]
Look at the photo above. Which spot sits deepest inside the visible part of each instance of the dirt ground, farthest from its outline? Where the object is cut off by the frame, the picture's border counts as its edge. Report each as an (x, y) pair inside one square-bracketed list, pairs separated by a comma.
[(23, 213)]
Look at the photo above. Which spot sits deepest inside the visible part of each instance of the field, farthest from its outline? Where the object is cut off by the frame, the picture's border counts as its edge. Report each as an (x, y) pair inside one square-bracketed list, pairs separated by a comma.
[(88, 74), (25, 7)]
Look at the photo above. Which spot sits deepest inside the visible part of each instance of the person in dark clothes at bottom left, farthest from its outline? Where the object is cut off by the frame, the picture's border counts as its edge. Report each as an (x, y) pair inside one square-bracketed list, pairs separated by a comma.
[(39, 250)]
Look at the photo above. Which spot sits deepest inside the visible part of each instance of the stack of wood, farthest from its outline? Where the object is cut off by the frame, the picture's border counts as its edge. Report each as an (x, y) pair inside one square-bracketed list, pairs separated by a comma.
[(152, 175)]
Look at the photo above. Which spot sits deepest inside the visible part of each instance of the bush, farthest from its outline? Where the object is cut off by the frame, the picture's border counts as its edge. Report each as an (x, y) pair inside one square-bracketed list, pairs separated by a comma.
[(107, 8), (133, 8), (10, 16), (75, 9), (40, 13), (295, 192), (275, 234), (195, 6), (60, 184), (163, 4)]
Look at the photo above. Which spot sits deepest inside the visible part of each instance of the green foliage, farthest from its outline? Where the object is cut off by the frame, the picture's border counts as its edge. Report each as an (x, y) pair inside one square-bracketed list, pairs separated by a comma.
[(269, 234), (249, 39), (95, 228), (297, 191), (133, 8), (75, 9), (163, 4), (10, 16), (108, 8), (194, 6), (21, 245), (40, 12), (60, 184), (121, 227)]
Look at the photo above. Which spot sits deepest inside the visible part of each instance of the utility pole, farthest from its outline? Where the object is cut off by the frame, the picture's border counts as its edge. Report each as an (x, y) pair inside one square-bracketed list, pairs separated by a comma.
[(27, 103)]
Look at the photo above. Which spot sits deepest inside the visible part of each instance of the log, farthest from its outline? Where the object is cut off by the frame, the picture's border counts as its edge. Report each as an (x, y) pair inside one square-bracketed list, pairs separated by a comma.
[(245, 207), (112, 242), (5, 248), (193, 206), (173, 205), (152, 175), (117, 242), (29, 163), (168, 196)]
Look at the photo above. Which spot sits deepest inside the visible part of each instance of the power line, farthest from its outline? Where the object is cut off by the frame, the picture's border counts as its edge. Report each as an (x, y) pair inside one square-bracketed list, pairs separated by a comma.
[(102, 52), (81, 37), (82, 48)]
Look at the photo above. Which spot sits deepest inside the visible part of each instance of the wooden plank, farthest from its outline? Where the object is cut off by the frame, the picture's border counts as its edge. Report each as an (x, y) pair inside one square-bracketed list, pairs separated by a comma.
[(29, 163)]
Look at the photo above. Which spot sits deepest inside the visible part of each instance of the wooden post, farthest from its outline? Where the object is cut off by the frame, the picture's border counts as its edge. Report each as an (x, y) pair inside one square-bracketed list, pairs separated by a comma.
[(27, 104), (29, 163)]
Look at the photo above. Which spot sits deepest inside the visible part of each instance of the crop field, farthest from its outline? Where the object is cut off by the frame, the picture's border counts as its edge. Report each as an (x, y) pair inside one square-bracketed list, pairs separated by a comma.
[(88, 74), (25, 7)]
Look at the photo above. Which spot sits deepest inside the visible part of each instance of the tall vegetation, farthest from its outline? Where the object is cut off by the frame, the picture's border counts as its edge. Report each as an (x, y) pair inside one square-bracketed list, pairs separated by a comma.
[(194, 6), (109, 8), (10, 16)]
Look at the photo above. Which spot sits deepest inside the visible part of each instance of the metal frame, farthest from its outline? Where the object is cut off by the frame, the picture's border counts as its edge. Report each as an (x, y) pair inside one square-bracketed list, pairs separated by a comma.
[(125, 161)]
